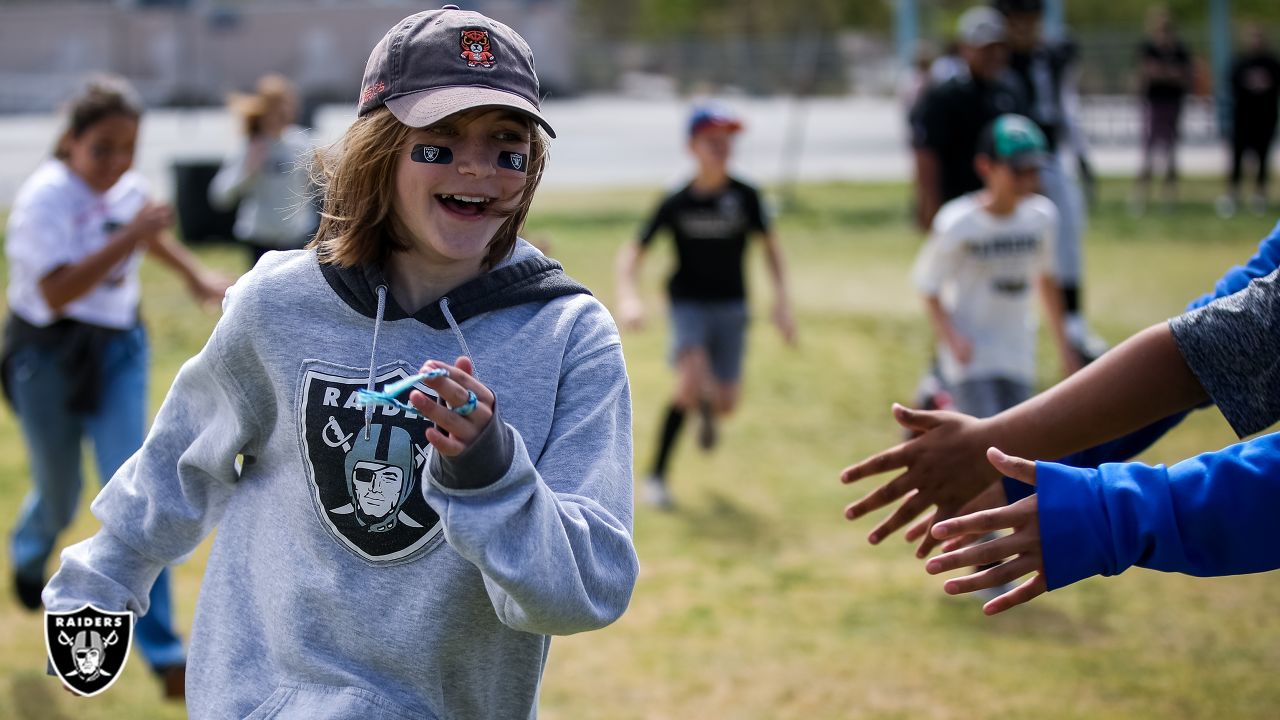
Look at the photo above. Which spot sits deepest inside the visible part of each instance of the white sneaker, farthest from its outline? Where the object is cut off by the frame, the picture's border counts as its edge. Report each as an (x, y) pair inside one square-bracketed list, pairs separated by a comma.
[(1088, 345), (657, 494), (986, 595), (1225, 206)]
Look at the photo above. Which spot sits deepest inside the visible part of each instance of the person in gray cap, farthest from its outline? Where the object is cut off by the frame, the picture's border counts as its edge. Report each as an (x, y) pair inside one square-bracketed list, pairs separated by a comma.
[(406, 551), (950, 117)]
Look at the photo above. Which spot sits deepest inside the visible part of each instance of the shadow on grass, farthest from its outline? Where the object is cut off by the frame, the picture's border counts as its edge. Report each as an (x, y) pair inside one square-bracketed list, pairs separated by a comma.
[(1029, 621), (35, 696), (721, 519)]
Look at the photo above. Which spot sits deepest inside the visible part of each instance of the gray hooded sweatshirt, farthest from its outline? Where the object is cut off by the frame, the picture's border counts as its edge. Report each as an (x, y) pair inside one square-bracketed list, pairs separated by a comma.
[(355, 572)]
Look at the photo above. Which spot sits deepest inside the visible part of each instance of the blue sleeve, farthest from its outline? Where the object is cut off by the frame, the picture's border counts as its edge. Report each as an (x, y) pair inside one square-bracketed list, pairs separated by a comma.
[(1263, 263), (1209, 515)]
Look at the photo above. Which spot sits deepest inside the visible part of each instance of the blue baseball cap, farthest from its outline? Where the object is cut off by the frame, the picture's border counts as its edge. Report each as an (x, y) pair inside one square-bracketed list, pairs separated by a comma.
[(708, 115)]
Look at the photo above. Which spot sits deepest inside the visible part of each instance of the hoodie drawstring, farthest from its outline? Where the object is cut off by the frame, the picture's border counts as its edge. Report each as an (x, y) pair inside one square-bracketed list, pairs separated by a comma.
[(457, 332), (373, 354)]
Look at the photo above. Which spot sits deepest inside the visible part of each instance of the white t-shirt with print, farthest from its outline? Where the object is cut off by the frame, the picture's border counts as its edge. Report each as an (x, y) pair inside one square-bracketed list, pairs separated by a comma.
[(984, 269), (57, 220)]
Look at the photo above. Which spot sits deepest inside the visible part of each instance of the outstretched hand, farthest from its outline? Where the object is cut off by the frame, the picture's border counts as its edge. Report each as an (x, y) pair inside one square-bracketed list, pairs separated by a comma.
[(1019, 553), (944, 467), (453, 388)]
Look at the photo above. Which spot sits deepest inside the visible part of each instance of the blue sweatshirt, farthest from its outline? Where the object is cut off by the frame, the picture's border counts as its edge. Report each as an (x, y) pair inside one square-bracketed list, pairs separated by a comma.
[(1205, 516), (355, 572), (1263, 263), (1210, 515)]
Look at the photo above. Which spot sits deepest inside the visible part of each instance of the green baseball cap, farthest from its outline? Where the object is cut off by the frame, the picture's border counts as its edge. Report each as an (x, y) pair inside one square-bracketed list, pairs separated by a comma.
[(1014, 140)]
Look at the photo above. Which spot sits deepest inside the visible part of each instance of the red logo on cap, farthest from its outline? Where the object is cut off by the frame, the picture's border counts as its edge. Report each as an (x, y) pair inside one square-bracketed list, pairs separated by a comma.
[(475, 48), (372, 90)]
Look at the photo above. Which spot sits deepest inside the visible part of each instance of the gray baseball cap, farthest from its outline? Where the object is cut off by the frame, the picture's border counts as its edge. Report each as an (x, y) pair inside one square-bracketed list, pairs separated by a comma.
[(439, 62), (980, 26)]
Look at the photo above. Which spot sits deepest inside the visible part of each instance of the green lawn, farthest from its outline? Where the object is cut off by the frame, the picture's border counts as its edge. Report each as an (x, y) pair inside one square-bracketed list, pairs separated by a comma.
[(757, 599)]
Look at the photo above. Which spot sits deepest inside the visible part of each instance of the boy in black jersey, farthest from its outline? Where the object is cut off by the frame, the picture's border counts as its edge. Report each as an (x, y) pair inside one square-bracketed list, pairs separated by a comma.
[(711, 220)]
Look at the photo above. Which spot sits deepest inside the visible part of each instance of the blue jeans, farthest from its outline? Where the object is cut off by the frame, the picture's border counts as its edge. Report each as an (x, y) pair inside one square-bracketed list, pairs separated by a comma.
[(54, 436)]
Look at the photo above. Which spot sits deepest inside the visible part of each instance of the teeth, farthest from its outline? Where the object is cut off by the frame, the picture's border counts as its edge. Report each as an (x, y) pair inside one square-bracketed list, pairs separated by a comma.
[(467, 198)]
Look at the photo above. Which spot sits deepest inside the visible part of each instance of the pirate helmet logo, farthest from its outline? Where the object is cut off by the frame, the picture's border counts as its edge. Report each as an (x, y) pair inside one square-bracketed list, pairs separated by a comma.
[(516, 160), (475, 48), (379, 474), (431, 152), (88, 647)]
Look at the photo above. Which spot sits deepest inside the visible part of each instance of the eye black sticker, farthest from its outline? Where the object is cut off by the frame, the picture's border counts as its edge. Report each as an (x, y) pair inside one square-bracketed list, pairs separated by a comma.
[(513, 160), (432, 154)]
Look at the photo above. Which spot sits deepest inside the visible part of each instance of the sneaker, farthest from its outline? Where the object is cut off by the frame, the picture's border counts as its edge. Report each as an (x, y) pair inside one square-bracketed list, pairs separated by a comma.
[(1083, 340), (1225, 206), (28, 592), (707, 428), (656, 491), (174, 680), (986, 595)]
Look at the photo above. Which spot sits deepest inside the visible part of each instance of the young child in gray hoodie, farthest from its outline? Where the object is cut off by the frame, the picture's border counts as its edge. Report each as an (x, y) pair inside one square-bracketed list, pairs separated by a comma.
[(405, 558)]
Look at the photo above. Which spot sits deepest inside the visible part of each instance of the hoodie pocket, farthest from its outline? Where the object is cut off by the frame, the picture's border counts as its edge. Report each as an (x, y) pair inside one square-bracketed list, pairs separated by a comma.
[(306, 701)]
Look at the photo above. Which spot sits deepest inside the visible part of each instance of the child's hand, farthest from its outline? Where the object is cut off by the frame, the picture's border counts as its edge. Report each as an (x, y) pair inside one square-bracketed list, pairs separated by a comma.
[(209, 288), (1018, 553), (149, 221), (631, 314), (462, 429), (785, 322), (944, 466)]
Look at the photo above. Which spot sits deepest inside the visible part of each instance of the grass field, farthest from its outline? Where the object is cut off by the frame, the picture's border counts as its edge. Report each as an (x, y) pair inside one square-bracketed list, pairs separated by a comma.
[(757, 599)]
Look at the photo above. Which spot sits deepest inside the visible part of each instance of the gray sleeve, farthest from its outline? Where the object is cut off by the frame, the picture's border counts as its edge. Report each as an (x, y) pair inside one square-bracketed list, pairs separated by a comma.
[(483, 463), (1233, 347)]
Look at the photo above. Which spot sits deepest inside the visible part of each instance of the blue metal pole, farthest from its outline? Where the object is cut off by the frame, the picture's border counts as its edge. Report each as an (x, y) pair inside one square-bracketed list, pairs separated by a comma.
[(1055, 22), (1220, 59), (907, 27)]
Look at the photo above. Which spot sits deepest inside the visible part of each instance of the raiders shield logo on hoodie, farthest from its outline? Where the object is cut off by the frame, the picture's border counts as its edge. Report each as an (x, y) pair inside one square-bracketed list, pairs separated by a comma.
[(366, 483)]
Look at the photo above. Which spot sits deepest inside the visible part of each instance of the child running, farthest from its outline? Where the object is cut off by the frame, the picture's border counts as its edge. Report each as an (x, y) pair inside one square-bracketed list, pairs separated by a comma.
[(395, 543), (75, 354), (711, 220), (976, 271)]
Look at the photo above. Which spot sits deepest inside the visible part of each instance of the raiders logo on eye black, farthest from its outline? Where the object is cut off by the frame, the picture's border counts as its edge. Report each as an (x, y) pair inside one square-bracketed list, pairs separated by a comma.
[(435, 154), (512, 160)]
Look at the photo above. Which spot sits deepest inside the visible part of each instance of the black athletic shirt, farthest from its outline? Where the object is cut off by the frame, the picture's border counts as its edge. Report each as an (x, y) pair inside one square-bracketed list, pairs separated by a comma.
[(1039, 73), (1255, 89), (711, 233), (1174, 57), (949, 119)]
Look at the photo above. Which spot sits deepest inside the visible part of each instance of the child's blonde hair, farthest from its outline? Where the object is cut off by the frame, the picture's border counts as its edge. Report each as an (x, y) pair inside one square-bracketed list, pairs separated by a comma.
[(356, 179)]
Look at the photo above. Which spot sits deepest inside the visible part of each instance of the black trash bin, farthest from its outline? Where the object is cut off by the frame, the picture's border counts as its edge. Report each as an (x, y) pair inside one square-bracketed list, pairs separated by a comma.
[(199, 221)]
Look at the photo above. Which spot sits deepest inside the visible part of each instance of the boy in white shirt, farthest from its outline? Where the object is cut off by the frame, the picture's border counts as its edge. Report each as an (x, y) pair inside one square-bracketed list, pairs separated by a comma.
[(984, 253)]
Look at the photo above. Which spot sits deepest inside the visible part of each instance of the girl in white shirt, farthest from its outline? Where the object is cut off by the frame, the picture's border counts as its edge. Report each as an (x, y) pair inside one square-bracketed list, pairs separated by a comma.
[(75, 353)]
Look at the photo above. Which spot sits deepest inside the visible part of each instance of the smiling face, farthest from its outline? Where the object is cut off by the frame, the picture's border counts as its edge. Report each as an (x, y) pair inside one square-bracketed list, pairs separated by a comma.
[(103, 152), (712, 147), (448, 213)]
